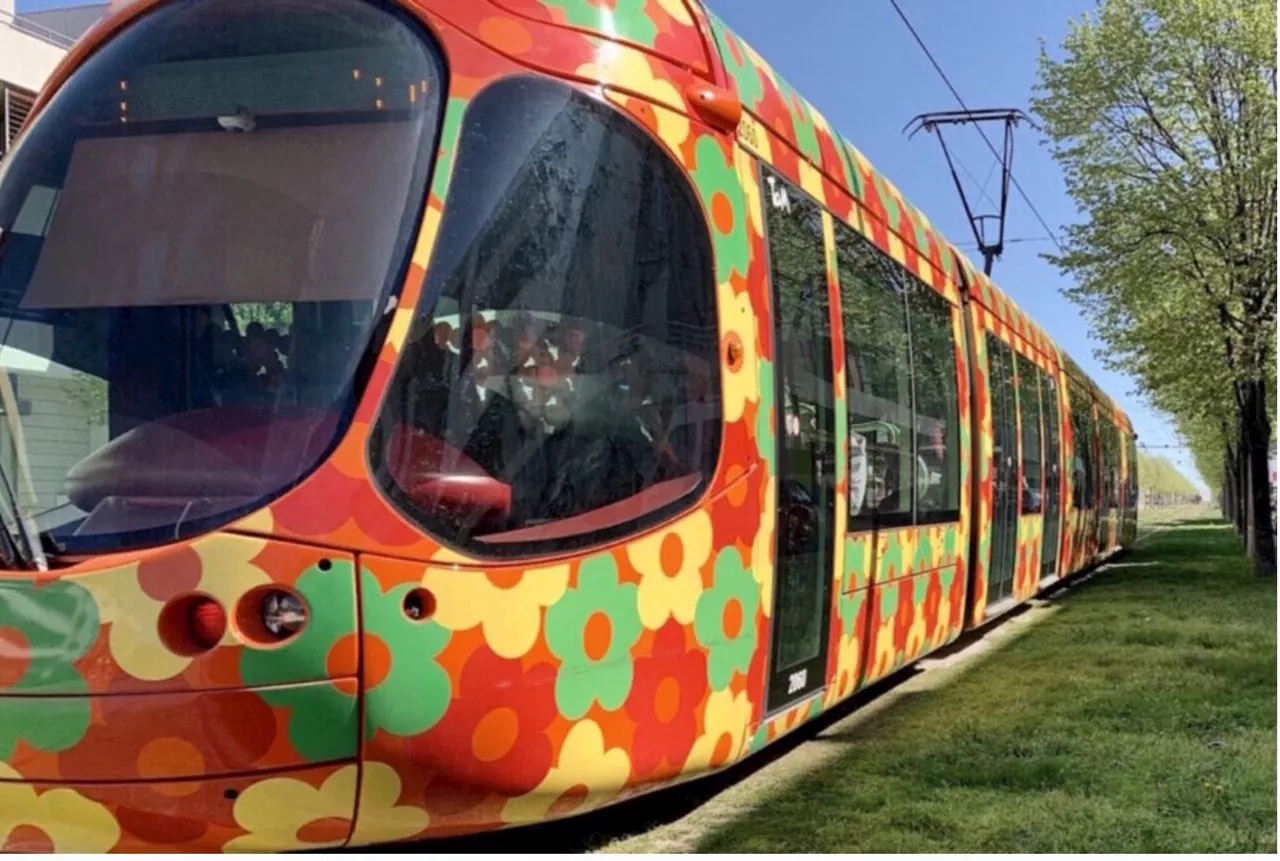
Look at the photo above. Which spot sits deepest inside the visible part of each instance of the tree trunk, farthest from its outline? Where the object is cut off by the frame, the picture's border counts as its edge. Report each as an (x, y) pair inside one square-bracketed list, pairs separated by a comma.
[(1260, 540), (1242, 480)]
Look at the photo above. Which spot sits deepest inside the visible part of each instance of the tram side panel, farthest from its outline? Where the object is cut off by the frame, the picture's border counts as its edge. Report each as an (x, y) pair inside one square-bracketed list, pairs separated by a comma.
[(580, 658)]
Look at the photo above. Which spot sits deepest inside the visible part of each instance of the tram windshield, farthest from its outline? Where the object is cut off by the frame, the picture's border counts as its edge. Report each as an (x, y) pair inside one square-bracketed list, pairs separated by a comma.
[(198, 240)]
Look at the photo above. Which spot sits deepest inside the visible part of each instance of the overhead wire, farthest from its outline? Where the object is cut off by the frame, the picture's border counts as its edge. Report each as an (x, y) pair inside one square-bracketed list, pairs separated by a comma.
[(990, 145)]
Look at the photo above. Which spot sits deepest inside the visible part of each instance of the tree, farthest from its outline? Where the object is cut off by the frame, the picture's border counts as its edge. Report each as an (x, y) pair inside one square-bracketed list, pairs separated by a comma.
[(1162, 114)]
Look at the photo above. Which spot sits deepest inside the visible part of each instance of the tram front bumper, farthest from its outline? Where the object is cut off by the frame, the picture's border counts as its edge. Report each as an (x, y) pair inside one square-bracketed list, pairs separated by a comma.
[(116, 734)]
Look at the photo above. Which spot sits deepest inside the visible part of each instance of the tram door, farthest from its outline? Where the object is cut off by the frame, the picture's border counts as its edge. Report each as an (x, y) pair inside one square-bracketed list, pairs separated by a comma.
[(1049, 397), (806, 440), (1004, 470)]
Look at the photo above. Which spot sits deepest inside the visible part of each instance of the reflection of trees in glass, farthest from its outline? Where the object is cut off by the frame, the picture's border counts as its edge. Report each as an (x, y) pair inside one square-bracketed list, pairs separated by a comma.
[(272, 315), (937, 416), (1029, 409), (89, 393), (878, 368), (807, 420)]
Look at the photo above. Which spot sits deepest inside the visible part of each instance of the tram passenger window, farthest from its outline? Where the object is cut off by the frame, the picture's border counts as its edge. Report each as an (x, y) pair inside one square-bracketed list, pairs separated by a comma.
[(560, 383), (937, 406), (1029, 409), (878, 374), (1082, 447)]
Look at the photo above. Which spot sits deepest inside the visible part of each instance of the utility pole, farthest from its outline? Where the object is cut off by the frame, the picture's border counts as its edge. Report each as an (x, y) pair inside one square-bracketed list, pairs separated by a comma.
[(991, 247)]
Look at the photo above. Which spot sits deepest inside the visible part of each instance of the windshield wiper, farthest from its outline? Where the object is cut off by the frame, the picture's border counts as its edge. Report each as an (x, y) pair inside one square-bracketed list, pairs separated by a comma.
[(23, 534)]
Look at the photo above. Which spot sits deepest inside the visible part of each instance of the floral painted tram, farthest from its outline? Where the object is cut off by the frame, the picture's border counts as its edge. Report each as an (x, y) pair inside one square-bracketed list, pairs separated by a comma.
[(430, 417)]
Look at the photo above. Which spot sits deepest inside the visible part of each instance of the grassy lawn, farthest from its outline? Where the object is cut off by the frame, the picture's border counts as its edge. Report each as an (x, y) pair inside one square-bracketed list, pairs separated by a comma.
[(1137, 714)]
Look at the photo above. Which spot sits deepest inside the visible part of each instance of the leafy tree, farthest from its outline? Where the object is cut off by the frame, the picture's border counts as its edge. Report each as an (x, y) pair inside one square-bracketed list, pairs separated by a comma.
[(1163, 116)]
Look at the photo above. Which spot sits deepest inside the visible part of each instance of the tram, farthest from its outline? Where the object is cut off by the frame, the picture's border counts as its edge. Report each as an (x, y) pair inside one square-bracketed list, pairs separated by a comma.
[(424, 417)]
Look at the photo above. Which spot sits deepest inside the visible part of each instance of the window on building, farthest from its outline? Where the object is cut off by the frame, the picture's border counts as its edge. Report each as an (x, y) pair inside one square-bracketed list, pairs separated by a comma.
[(560, 385), (937, 405), (1029, 409), (878, 375)]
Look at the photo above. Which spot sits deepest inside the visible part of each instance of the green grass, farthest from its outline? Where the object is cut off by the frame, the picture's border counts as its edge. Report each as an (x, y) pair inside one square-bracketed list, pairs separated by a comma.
[(1138, 715)]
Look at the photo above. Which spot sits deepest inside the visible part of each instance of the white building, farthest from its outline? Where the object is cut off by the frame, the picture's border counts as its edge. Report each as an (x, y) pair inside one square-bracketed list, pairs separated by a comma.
[(30, 47), (58, 430)]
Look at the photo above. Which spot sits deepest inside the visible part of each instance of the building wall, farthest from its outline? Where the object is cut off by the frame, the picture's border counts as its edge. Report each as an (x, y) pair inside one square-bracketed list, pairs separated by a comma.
[(26, 60), (56, 431)]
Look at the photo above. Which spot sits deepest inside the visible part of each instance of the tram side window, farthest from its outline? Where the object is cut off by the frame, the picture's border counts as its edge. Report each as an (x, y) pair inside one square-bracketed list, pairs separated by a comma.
[(1081, 447), (560, 384), (878, 375), (937, 405), (1032, 462), (1112, 438)]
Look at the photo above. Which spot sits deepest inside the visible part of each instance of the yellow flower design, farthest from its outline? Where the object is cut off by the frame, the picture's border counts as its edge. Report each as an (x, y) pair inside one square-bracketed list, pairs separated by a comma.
[(72, 822), (762, 547), (725, 720), (750, 183), (508, 603), (618, 66), (677, 10), (381, 820), (811, 180), (848, 654), (915, 636), (226, 573), (585, 774), (738, 326), (277, 812), (670, 565), (885, 652), (943, 628)]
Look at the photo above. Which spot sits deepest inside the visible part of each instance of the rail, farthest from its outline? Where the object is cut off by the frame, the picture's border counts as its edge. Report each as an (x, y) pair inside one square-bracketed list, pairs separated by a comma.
[(35, 30)]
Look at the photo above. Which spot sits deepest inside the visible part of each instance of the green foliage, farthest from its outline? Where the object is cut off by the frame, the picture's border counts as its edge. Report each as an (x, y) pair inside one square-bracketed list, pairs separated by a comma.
[(272, 315), (1162, 114), (1157, 475), (90, 393)]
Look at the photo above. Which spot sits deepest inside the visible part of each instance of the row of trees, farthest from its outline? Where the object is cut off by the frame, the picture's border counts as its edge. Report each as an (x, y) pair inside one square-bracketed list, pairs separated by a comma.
[(1162, 114), (1160, 482)]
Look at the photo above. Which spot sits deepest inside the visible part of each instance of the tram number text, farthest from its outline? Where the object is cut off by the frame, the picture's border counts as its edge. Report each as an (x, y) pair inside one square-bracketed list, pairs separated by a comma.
[(797, 681)]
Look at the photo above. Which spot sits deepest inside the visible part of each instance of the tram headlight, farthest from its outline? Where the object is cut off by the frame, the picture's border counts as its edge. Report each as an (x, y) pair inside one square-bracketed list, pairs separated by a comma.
[(283, 614)]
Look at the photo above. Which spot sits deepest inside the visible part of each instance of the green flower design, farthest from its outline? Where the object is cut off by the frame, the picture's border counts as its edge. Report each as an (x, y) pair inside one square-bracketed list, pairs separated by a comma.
[(448, 146), (852, 153), (894, 560), (922, 235), (626, 20), (766, 445), (414, 690), (58, 622), (850, 606), (721, 193), (724, 621), (322, 718), (923, 558), (736, 62), (591, 630), (802, 121), (760, 739), (888, 200)]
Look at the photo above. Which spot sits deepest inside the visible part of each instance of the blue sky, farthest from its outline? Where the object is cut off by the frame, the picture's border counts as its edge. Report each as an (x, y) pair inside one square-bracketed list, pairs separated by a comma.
[(856, 61)]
